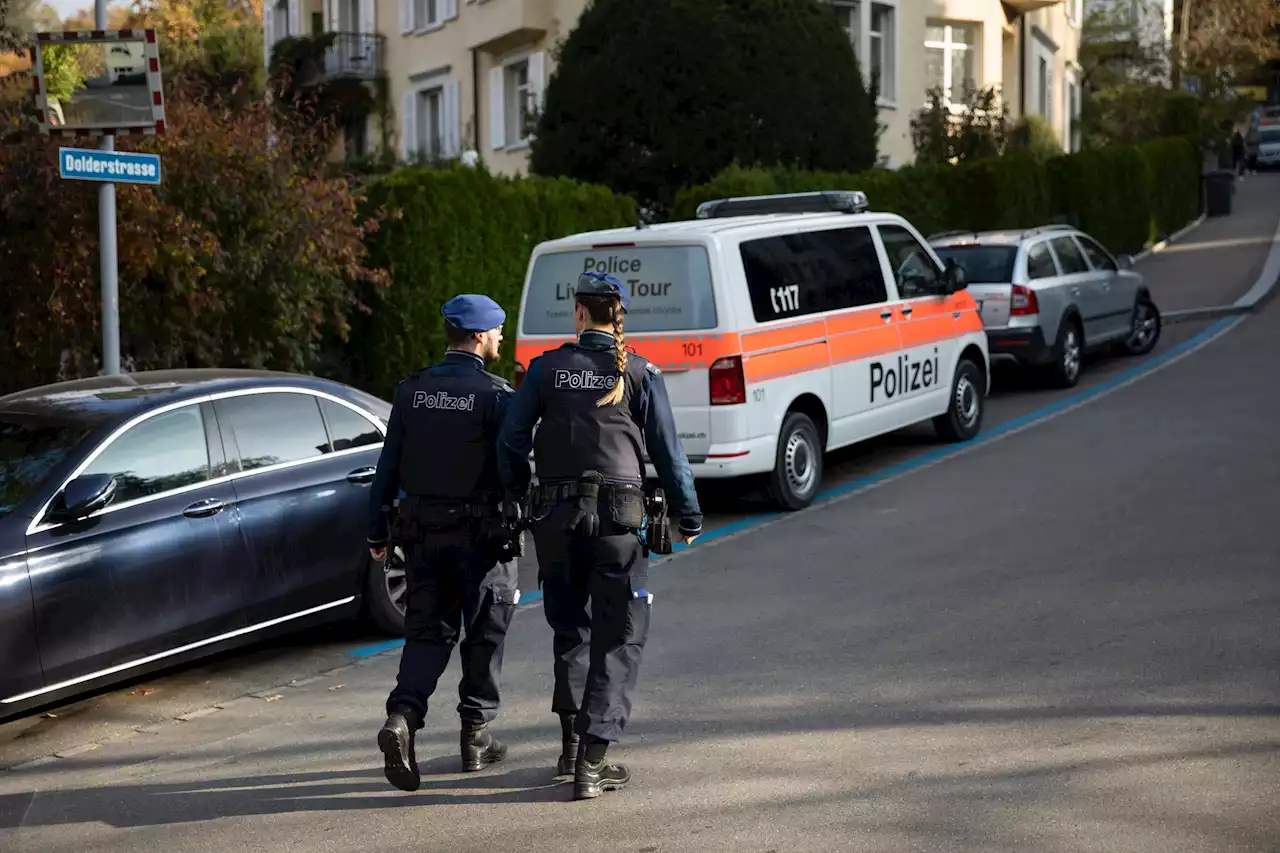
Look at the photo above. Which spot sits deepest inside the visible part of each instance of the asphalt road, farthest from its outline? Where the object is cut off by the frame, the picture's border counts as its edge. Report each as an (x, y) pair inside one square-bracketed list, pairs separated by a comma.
[(116, 104), (155, 699), (1063, 638)]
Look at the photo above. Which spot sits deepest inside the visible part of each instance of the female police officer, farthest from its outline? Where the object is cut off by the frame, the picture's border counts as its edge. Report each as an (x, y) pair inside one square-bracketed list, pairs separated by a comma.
[(600, 407)]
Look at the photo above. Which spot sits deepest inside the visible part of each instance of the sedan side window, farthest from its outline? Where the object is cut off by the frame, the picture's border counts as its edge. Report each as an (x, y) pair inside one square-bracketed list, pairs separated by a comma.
[(348, 429), (1040, 263), (913, 268), (274, 428), (1097, 255), (164, 452), (1069, 256)]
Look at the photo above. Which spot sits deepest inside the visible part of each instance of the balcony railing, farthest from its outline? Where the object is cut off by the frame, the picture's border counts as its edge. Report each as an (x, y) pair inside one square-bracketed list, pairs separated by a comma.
[(359, 56)]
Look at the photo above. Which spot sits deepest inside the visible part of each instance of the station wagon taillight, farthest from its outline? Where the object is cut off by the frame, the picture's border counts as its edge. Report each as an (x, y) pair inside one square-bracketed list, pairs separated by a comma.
[(728, 384), (518, 376), (1023, 302)]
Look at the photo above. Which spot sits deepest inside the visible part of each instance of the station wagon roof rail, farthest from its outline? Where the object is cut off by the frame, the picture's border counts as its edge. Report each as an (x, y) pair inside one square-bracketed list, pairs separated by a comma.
[(824, 201), (1042, 229)]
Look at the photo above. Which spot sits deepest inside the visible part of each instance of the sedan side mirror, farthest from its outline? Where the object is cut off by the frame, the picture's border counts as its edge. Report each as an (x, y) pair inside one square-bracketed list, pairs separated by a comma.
[(86, 495), (1124, 262), (954, 277)]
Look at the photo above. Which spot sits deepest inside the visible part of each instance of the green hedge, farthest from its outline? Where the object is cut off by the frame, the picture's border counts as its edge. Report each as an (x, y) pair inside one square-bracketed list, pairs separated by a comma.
[(1124, 196), (458, 230)]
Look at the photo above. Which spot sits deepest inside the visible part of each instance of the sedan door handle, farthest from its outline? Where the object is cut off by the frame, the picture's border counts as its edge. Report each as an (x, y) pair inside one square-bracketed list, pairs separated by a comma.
[(362, 475), (204, 509)]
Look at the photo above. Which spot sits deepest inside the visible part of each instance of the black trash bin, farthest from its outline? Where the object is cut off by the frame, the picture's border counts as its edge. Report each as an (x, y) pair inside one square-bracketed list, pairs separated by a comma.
[(1219, 185)]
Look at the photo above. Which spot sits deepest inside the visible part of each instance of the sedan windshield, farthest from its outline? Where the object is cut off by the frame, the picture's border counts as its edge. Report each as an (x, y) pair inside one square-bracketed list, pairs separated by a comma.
[(29, 449), (981, 264)]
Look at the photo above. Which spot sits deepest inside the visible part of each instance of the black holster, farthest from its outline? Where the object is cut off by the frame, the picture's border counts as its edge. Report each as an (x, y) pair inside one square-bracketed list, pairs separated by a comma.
[(658, 531)]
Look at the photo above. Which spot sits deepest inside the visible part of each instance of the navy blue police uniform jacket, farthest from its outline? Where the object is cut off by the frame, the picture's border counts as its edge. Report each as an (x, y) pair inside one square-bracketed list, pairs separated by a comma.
[(650, 409), (423, 468)]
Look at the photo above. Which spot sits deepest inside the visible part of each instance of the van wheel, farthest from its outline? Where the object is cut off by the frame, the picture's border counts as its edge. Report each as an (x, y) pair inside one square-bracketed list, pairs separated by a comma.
[(387, 592), (798, 469), (963, 418)]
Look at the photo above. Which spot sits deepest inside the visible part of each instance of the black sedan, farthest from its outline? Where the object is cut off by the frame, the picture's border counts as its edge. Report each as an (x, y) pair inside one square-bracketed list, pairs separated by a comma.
[(154, 518)]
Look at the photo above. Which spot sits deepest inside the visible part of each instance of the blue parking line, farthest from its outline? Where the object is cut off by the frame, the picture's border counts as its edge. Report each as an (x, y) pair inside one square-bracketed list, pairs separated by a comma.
[(915, 462)]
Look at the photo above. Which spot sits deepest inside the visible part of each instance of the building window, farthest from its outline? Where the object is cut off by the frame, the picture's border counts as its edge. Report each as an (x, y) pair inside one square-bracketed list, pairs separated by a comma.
[(883, 39), (1071, 117), (849, 14), (1073, 11), (1042, 86), (518, 95), (280, 19), (429, 133), (355, 135), (426, 13), (951, 58)]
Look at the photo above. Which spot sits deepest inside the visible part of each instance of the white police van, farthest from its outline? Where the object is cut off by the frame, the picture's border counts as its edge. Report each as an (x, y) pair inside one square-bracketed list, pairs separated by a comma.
[(785, 326)]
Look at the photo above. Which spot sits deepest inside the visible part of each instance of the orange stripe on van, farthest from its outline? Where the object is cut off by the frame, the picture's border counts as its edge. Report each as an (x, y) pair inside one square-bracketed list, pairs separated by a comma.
[(775, 337), (785, 362)]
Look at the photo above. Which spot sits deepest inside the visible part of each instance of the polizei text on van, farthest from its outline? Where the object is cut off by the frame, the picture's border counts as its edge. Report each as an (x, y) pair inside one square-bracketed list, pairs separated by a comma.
[(904, 375)]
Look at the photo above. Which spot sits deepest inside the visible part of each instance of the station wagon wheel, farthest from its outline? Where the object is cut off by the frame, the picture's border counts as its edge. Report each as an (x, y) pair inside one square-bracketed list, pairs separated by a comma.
[(797, 471), (387, 592), (1068, 354), (1145, 333)]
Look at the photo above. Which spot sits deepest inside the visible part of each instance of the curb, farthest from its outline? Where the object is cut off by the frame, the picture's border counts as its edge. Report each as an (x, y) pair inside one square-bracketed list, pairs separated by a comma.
[(1256, 297), (1172, 238)]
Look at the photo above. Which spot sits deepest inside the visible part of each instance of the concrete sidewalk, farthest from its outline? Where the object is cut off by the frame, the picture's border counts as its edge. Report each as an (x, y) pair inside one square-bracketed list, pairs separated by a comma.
[(1218, 262)]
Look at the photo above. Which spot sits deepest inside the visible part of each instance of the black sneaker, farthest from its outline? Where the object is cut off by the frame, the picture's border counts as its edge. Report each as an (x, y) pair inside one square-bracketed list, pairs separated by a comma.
[(480, 748), (400, 765), (592, 780)]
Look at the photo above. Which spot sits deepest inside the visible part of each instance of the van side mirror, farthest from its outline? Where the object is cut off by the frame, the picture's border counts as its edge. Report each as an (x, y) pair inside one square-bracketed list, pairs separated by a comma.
[(1124, 262), (953, 277), (86, 495)]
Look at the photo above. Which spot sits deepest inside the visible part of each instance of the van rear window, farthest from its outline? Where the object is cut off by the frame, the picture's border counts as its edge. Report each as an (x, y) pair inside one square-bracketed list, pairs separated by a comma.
[(981, 264), (669, 288)]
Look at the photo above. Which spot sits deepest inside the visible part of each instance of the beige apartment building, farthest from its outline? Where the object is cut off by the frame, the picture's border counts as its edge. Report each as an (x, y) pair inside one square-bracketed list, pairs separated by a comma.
[(465, 75)]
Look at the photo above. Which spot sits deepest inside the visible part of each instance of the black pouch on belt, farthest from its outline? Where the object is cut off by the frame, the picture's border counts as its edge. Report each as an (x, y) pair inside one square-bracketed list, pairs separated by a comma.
[(444, 523), (626, 506), (585, 517), (658, 533)]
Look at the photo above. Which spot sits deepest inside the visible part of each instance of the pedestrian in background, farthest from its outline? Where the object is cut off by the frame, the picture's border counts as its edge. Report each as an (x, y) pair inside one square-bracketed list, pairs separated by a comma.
[(440, 449), (599, 408)]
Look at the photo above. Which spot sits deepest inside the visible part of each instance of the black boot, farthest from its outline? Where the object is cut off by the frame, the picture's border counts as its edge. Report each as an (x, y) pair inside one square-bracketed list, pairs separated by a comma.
[(568, 746), (480, 748), (395, 739), (593, 778)]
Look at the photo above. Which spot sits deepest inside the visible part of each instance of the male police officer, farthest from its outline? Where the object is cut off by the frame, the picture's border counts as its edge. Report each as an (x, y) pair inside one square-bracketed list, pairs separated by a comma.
[(440, 448), (600, 406)]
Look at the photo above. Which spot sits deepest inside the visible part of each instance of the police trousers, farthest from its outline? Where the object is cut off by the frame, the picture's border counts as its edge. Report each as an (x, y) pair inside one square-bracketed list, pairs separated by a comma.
[(596, 601), (447, 586)]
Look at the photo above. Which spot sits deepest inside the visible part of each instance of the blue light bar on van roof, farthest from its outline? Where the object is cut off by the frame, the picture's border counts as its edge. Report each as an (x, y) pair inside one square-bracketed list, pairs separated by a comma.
[(826, 201)]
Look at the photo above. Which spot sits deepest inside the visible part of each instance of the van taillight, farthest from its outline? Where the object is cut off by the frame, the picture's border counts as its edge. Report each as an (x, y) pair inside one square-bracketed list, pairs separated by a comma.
[(519, 375), (1024, 302), (728, 385)]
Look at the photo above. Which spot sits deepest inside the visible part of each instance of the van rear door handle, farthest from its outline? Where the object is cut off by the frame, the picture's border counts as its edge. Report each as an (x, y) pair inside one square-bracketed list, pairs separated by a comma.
[(204, 508), (906, 310), (362, 475)]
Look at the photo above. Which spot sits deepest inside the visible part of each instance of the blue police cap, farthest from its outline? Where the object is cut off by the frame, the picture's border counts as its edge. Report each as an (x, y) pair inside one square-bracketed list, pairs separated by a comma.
[(473, 312), (602, 284)]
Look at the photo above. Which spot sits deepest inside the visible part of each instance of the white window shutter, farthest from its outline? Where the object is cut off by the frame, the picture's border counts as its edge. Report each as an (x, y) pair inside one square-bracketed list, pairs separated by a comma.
[(333, 21), (449, 10), (268, 32), (406, 16), (295, 17), (538, 77), (408, 125), (368, 16), (497, 109), (452, 98)]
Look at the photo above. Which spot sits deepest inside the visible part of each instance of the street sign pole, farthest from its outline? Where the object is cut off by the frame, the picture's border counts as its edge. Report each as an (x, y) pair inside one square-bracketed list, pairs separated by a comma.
[(107, 246)]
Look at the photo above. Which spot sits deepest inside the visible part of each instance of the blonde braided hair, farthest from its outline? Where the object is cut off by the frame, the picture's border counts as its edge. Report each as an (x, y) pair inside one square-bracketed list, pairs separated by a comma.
[(613, 396)]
